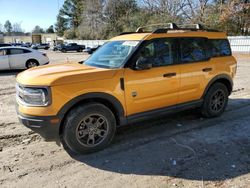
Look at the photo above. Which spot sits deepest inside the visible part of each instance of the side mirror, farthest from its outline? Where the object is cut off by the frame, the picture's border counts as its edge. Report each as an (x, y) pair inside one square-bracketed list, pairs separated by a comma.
[(143, 64)]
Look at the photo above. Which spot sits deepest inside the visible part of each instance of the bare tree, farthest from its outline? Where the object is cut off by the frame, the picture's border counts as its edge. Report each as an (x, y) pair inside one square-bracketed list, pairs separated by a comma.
[(92, 16), (17, 28), (194, 11)]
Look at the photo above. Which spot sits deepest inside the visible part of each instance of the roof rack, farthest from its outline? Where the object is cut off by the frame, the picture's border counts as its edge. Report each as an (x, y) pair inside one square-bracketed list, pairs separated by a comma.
[(165, 27)]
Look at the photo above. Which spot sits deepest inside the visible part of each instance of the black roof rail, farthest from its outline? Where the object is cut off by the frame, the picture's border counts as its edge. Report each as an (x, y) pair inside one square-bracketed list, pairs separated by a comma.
[(165, 26), (171, 26), (125, 33)]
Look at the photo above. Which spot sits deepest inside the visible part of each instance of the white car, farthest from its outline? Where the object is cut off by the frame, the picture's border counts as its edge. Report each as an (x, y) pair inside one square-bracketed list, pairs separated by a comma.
[(21, 58)]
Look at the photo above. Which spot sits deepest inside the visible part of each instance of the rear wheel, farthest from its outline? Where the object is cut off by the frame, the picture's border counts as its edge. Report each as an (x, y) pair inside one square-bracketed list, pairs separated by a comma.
[(215, 101), (89, 128), (32, 63)]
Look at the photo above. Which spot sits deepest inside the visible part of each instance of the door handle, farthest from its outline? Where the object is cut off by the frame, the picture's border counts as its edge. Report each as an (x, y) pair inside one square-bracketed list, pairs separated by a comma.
[(169, 75), (208, 69)]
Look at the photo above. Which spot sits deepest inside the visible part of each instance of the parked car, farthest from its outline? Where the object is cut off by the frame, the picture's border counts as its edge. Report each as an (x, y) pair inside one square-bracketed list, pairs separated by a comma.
[(26, 45), (21, 58), (4, 44), (40, 46), (133, 77), (72, 47), (17, 44), (90, 50), (58, 47)]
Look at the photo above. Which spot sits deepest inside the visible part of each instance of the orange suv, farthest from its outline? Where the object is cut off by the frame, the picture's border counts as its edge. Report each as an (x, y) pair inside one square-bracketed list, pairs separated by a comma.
[(132, 77)]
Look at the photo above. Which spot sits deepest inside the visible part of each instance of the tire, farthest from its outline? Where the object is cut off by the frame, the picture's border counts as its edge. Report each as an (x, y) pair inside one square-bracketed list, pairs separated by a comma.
[(215, 101), (31, 63), (88, 128), (64, 51)]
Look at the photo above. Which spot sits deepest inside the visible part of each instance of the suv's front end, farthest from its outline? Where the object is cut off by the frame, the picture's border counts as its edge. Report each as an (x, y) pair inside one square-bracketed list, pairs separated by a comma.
[(31, 102)]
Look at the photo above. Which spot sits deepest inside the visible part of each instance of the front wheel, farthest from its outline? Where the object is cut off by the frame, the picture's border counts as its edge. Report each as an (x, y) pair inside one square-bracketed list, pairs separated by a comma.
[(89, 128), (215, 101)]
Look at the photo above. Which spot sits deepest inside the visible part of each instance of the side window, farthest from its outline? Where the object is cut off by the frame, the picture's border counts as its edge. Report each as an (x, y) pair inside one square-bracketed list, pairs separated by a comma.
[(192, 50), (26, 51), (220, 47), (3, 52), (16, 51), (159, 52)]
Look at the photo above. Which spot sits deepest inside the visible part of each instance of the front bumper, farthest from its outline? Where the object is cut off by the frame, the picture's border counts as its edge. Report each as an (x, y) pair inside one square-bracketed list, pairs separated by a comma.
[(46, 126)]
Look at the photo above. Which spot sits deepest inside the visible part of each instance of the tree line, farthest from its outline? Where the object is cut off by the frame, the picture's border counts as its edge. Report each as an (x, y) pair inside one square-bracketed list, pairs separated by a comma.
[(10, 29), (102, 19)]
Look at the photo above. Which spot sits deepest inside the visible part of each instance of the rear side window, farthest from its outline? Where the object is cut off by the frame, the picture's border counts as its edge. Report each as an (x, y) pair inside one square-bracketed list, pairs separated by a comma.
[(16, 51), (192, 50), (26, 51), (220, 48)]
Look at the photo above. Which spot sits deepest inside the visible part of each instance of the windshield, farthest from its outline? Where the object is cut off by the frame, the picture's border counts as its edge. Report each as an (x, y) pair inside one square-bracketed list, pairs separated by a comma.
[(112, 54)]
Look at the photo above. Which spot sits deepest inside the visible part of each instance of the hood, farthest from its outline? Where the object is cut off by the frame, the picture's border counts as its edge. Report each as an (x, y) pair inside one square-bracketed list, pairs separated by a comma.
[(66, 73)]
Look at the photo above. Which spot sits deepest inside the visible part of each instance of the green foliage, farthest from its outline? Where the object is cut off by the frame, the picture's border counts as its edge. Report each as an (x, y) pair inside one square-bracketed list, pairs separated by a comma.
[(8, 26), (70, 34), (38, 29), (61, 25), (50, 29)]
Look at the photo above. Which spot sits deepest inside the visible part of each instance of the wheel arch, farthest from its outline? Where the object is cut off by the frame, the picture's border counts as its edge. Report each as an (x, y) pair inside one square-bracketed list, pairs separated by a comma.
[(32, 59), (224, 79), (106, 99)]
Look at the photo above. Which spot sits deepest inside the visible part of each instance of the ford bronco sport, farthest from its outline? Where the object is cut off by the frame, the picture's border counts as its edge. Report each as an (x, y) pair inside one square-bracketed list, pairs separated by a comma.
[(132, 77)]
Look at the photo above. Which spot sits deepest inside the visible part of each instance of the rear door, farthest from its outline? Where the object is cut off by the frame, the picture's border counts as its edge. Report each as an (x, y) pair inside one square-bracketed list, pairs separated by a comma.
[(17, 58), (195, 66), (4, 60)]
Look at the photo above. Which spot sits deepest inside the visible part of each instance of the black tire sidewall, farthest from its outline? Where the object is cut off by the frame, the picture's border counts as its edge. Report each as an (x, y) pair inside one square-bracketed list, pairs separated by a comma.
[(73, 119), (29, 61), (206, 111)]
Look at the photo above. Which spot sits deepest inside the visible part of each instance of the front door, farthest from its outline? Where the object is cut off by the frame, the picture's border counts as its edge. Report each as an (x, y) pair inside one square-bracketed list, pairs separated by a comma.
[(156, 87), (4, 60)]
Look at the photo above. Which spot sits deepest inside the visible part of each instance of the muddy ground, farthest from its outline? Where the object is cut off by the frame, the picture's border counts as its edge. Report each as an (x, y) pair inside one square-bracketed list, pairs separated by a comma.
[(181, 150)]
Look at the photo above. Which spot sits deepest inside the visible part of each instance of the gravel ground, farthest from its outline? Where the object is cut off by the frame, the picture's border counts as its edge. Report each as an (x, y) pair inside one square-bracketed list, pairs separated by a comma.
[(181, 150)]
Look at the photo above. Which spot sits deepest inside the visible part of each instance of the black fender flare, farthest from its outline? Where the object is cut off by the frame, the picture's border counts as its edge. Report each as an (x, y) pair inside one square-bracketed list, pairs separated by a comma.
[(217, 78), (116, 104)]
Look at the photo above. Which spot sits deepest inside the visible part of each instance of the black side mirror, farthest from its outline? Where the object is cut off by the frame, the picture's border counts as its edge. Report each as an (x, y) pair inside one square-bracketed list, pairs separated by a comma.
[(143, 64)]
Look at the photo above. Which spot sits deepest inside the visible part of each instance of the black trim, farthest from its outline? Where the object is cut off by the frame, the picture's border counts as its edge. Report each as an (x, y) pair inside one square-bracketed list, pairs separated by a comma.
[(96, 95), (122, 84), (163, 111), (41, 125), (216, 78)]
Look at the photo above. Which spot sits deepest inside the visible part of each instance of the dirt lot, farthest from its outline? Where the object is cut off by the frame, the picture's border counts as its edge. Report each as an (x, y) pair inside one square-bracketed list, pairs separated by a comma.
[(181, 150)]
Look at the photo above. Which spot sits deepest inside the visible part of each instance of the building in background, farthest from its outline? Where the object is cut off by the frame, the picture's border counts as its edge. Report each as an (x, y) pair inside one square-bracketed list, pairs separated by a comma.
[(1, 38), (50, 38)]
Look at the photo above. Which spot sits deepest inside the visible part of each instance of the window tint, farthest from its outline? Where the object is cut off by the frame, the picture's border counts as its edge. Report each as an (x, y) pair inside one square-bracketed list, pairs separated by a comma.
[(16, 51), (26, 51), (220, 47), (159, 52), (3, 52), (192, 50)]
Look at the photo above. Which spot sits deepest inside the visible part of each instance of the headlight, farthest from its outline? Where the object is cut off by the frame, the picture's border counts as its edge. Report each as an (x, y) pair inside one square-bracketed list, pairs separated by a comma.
[(32, 96)]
